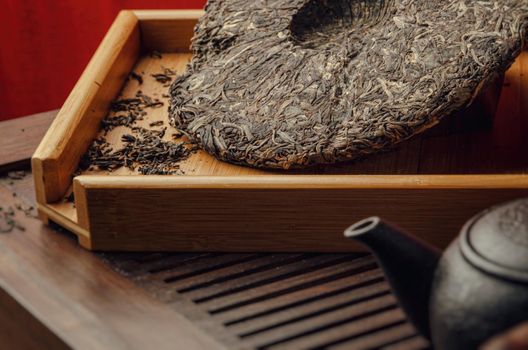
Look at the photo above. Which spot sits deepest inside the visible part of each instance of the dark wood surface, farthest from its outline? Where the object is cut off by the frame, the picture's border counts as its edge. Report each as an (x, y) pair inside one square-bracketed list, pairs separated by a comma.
[(54, 294), (20, 137), (69, 298)]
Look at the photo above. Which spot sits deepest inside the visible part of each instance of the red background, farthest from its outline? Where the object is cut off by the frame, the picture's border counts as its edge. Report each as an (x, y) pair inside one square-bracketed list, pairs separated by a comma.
[(45, 45)]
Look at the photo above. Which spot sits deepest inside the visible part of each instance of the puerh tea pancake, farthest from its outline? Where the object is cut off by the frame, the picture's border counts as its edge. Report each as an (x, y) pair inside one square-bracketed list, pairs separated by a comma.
[(284, 84)]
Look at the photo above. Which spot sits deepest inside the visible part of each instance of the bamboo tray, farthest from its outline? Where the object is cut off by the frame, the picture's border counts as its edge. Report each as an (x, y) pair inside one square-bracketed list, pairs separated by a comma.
[(430, 185)]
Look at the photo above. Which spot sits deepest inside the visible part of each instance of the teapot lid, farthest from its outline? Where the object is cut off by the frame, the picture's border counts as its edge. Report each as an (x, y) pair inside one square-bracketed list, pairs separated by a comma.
[(496, 241)]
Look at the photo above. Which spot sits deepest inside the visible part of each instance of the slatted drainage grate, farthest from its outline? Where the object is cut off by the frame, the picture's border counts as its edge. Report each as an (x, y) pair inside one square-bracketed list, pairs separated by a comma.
[(278, 301)]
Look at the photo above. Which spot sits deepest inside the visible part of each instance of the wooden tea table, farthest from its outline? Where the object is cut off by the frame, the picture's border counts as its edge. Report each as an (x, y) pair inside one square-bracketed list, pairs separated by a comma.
[(54, 294)]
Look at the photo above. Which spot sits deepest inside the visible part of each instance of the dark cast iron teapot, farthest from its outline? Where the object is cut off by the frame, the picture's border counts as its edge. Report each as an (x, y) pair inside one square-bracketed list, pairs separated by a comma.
[(476, 289)]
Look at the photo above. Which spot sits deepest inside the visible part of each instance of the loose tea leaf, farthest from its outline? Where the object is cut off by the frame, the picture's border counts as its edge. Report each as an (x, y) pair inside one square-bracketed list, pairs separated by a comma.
[(165, 77), (70, 198), (291, 83), (137, 77), (8, 222), (145, 151), (129, 110), (16, 175), (156, 54)]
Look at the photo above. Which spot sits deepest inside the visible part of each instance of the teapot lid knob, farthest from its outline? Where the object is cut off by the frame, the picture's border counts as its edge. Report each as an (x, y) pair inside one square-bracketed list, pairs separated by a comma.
[(496, 241)]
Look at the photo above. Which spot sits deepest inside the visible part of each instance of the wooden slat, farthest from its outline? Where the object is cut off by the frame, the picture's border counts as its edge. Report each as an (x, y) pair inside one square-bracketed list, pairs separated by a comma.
[(378, 339), (282, 272), (414, 343), (313, 323), (321, 335), (322, 293), (317, 306), (233, 273), (170, 272), (20, 137), (231, 298)]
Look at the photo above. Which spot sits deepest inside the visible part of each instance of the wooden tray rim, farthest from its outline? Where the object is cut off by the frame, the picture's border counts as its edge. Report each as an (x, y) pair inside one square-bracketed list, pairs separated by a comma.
[(55, 144)]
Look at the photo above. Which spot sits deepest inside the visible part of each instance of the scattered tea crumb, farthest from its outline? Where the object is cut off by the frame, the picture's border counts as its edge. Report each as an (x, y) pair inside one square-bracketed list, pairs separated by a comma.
[(162, 78), (145, 151), (142, 150), (155, 54), (149, 101), (165, 77), (8, 223), (129, 110), (70, 198), (16, 175), (137, 77), (28, 211)]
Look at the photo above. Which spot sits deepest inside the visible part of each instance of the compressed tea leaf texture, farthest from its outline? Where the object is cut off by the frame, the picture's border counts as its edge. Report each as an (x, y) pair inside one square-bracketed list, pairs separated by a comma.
[(289, 84)]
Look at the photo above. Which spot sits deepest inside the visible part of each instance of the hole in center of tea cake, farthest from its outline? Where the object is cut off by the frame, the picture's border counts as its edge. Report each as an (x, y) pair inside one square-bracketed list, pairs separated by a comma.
[(323, 23)]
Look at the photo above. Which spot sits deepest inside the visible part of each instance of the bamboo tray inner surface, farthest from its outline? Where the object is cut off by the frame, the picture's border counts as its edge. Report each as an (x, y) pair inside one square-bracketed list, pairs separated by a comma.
[(462, 144)]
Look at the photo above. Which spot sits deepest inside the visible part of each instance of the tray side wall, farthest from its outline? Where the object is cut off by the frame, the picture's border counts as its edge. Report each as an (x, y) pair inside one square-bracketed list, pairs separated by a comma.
[(297, 213), (78, 121), (167, 31)]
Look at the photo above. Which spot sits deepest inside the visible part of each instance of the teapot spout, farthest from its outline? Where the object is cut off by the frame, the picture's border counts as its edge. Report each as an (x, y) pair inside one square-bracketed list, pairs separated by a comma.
[(408, 263)]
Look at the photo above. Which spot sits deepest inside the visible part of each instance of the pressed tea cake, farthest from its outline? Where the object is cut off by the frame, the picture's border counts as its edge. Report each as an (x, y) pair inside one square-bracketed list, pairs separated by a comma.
[(284, 84)]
